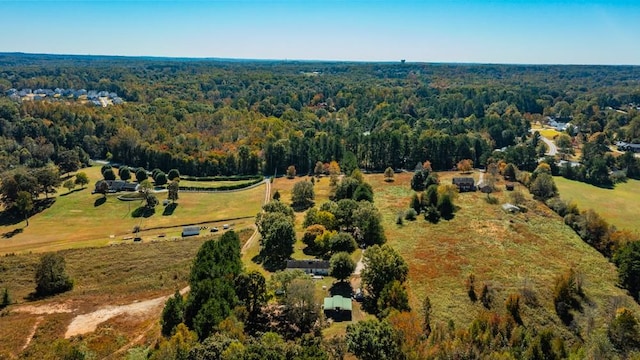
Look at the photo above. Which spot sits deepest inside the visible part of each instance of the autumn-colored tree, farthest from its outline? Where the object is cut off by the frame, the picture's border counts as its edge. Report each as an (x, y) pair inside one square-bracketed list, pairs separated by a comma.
[(465, 165), (388, 174), (409, 328), (334, 168), (291, 172)]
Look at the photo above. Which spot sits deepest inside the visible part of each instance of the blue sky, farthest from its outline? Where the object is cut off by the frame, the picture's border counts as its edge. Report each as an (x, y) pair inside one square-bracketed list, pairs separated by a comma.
[(529, 32)]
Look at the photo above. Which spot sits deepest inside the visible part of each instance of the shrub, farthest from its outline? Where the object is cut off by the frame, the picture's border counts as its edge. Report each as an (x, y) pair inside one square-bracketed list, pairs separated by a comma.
[(471, 290), (567, 291), (51, 277), (491, 199), (486, 296), (513, 307), (410, 214), (432, 214), (6, 299)]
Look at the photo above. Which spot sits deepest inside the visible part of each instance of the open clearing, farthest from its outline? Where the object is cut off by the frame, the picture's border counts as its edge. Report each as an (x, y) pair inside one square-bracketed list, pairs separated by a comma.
[(80, 219), (619, 206), (508, 252), (119, 292)]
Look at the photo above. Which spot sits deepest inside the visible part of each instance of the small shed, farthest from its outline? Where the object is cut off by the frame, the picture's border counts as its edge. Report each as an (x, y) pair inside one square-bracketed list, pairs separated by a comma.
[(190, 231), (510, 208), (464, 183), (315, 267), (338, 308)]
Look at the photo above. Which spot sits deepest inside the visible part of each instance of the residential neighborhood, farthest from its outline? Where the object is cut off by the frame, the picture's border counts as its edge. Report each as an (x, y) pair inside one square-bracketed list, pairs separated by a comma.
[(97, 98)]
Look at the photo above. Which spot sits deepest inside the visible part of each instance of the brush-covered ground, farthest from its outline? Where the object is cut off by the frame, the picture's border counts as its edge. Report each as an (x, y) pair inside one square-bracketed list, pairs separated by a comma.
[(512, 253)]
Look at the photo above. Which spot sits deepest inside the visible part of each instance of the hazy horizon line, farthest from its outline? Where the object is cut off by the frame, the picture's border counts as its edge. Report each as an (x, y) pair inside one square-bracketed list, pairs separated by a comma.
[(240, 59)]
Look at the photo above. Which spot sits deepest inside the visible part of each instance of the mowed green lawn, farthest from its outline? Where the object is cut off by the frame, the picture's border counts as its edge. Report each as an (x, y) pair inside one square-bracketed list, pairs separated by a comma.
[(509, 252), (619, 206), (80, 219)]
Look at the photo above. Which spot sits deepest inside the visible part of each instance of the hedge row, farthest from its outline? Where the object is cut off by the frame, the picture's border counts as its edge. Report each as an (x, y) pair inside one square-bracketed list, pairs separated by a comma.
[(223, 188), (222, 178)]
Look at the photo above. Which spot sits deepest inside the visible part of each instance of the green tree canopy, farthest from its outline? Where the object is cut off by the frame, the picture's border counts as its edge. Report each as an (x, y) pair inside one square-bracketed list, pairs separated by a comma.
[(172, 314), (82, 179), (369, 223), (51, 277), (302, 195), (124, 172), (373, 340), (173, 174), (141, 175), (341, 266), (24, 204), (382, 265), (628, 261)]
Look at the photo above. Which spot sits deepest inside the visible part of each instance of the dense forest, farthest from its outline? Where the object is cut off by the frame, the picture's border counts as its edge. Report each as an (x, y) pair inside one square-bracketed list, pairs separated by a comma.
[(220, 117), (233, 118)]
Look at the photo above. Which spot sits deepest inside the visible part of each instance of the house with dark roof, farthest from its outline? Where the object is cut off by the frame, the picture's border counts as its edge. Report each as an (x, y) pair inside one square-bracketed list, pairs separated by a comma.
[(338, 308), (464, 183), (315, 267)]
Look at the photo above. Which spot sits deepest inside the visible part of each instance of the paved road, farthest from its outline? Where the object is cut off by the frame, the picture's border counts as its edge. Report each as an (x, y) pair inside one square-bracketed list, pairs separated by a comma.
[(552, 148)]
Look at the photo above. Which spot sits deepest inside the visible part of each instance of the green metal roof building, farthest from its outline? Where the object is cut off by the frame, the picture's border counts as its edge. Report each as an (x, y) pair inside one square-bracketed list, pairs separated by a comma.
[(337, 308)]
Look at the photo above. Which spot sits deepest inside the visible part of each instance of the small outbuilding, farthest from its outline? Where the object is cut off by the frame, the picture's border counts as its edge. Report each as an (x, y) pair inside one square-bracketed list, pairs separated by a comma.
[(510, 208), (314, 267), (337, 308), (464, 183), (190, 231)]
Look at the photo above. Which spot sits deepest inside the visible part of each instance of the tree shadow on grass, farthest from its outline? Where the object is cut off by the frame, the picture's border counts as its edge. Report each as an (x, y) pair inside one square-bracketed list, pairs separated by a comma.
[(169, 209), (341, 288), (12, 233), (143, 211), (72, 192), (99, 201), (302, 207), (12, 216)]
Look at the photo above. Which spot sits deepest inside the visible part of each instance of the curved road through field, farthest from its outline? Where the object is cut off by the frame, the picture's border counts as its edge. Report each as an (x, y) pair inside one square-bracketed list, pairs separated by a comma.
[(552, 148)]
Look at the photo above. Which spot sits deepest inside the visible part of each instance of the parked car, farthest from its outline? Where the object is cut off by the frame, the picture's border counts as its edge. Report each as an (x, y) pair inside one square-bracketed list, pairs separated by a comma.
[(225, 226), (215, 229)]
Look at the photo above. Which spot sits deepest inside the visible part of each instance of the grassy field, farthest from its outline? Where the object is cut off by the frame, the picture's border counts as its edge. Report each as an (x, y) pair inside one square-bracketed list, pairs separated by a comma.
[(549, 133), (619, 206), (508, 252), (80, 219)]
